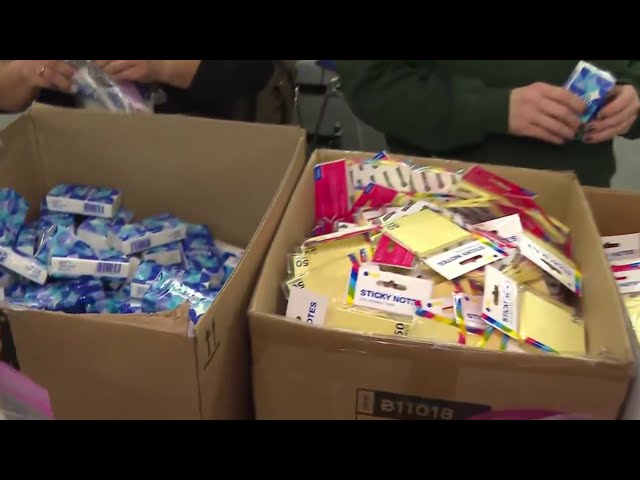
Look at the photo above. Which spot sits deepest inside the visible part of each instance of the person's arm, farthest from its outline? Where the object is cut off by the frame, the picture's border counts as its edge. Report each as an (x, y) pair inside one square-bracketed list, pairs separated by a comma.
[(433, 110), (631, 76), (15, 93)]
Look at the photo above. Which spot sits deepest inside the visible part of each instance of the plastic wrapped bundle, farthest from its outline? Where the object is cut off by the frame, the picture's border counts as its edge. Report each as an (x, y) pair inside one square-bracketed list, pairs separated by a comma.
[(69, 296), (116, 304), (171, 292), (13, 213)]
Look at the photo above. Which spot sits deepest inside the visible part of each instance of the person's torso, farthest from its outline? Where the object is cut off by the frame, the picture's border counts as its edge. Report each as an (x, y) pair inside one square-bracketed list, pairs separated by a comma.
[(592, 162)]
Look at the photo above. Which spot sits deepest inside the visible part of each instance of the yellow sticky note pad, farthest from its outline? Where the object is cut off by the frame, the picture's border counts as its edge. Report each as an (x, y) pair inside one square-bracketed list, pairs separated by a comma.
[(338, 250), (550, 324), (433, 330), (364, 322), (330, 280), (425, 232)]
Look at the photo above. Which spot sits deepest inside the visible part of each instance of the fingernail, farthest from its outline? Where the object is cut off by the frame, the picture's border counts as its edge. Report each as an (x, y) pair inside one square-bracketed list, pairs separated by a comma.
[(590, 128)]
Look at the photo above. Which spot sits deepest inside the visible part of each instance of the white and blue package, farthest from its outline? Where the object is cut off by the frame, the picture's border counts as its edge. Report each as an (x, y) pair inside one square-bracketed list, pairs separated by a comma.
[(95, 231), (146, 274), (13, 213), (6, 280), (200, 252), (70, 296), (70, 257), (592, 85), (169, 254), (83, 200), (149, 233), (170, 293), (94, 88), (27, 267), (26, 242)]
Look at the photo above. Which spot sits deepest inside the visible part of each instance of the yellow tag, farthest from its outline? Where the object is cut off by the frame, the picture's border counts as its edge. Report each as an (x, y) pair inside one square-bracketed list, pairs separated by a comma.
[(364, 322), (550, 324), (425, 232)]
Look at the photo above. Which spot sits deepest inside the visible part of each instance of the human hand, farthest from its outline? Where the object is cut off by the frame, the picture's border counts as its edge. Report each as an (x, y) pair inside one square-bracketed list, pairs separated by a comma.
[(617, 117), (49, 74), (545, 112), (144, 71)]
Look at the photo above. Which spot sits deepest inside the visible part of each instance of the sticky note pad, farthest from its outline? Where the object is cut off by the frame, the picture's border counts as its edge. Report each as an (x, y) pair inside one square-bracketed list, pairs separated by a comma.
[(425, 232), (365, 322), (433, 330), (550, 324)]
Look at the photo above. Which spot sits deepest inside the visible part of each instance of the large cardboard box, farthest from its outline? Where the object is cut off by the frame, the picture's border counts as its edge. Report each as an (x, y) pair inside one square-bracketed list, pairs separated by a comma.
[(617, 212), (236, 178), (301, 371)]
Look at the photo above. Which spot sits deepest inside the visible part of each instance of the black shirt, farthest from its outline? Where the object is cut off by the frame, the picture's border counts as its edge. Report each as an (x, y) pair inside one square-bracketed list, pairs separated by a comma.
[(217, 88)]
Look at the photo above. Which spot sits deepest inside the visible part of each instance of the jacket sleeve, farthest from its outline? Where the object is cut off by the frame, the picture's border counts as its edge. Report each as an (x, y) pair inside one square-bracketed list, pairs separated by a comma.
[(428, 108), (631, 76), (229, 80)]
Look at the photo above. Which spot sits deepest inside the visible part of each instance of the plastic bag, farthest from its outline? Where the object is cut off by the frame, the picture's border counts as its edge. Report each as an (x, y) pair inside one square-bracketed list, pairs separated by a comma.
[(21, 398), (96, 89)]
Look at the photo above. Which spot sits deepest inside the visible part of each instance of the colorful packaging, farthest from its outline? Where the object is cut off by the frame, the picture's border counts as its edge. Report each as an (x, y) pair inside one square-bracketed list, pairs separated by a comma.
[(13, 214), (95, 231), (116, 304), (26, 241), (170, 293), (82, 200), (333, 194), (27, 267), (592, 85), (151, 232), (70, 257), (69, 296), (169, 254), (146, 274)]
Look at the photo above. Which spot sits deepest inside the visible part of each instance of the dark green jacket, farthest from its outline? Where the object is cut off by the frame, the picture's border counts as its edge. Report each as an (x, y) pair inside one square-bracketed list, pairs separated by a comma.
[(460, 108)]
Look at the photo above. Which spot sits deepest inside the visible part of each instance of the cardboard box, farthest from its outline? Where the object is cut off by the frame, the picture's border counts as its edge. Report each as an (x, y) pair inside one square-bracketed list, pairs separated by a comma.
[(234, 177), (615, 214), (301, 371)]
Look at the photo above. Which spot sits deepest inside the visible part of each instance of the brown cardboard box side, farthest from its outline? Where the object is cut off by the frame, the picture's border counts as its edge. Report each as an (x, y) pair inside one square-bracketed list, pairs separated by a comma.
[(306, 372), (234, 177)]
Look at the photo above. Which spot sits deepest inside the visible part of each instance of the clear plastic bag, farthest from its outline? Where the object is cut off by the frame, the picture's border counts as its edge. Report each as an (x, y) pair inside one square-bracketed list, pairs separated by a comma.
[(94, 88), (21, 398)]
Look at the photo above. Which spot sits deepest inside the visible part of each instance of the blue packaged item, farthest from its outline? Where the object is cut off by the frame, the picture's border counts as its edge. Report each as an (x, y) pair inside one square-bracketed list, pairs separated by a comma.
[(149, 233), (95, 231), (227, 251), (70, 257), (116, 304), (25, 266), (170, 293), (26, 242), (592, 85), (13, 214), (146, 274), (230, 266), (6, 280), (169, 254), (69, 296), (83, 200), (64, 220)]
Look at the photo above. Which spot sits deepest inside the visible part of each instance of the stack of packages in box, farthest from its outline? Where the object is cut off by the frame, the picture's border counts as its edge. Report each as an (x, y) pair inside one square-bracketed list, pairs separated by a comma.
[(623, 253), (463, 257), (85, 254)]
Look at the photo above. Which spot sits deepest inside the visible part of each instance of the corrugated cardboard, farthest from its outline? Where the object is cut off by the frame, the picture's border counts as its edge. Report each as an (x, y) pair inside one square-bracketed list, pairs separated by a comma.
[(301, 371), (234, 177), (617, 212)]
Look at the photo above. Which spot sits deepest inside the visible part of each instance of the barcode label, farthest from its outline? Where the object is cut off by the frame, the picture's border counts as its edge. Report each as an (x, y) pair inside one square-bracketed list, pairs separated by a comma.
[(94, 208), (110, 268), (140, 245)]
